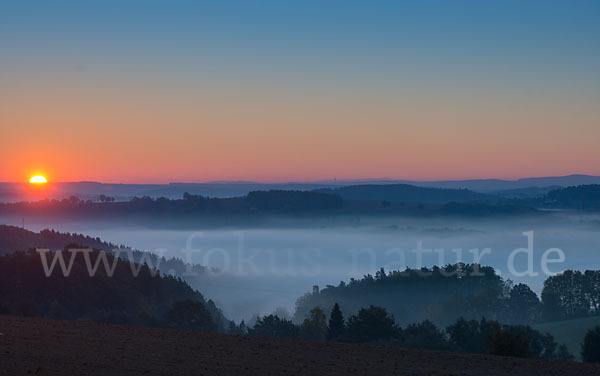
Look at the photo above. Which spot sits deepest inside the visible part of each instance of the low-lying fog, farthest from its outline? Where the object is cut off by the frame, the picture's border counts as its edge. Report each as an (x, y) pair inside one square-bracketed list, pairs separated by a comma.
[(263, 269)]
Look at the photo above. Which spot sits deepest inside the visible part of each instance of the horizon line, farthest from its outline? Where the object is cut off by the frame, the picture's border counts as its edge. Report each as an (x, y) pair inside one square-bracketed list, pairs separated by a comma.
[(329, 181)]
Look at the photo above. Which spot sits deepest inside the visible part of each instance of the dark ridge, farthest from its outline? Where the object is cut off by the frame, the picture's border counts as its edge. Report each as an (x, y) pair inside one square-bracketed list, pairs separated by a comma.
[(406, 193)]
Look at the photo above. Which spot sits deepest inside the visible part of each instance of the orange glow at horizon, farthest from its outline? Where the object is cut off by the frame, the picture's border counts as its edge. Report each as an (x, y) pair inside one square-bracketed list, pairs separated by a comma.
[(73, 133)]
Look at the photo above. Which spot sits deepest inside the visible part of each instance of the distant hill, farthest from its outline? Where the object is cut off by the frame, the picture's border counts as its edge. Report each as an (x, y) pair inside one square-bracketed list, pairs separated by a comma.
[(531, 192), (13, 192), (492, 185), (405, 193), (582, 197), (285, 201), (480, 210), (261, 205)]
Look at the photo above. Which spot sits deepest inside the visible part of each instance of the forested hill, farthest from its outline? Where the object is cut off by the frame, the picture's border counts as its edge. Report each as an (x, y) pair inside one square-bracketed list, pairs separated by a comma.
[(17, 239), (126, 293), (13, 239), (406, 193), (582, 197), (443, 294), (438, 294)]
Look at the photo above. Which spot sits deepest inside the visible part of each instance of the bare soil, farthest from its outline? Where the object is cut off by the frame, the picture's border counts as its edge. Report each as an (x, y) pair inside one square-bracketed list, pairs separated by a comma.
[(52, 347)]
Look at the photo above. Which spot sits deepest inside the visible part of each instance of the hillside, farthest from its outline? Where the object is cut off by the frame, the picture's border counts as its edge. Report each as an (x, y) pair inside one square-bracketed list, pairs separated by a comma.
[(116, 291), (50, 347), (14, 239), (444, 295), (17, 239)]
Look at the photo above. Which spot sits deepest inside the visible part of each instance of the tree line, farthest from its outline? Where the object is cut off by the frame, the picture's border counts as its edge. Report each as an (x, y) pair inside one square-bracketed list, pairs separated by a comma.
[(581, 197), (273, 201), (256, 203), (375, 325), (443, 294)]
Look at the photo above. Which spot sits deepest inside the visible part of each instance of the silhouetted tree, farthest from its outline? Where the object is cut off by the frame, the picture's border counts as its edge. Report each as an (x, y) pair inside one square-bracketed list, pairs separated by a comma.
[(562, 353), (509, 343), (591, 289), (566, 296), (424, 335), (523, 305), (490, 336), (273, 326), (471, 335), (590, 349), (314, 327), (336, 323), (371, 324), (237, 329)]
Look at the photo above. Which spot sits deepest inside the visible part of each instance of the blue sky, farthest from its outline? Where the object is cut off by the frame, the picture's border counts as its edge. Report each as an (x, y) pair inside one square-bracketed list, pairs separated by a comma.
[(443, 55), (494, 40)]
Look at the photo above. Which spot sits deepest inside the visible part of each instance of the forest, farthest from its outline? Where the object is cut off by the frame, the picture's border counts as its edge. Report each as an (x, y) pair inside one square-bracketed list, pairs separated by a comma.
[(146, 298), (443, 294), (458, 307), (375, 325), (150, 299)]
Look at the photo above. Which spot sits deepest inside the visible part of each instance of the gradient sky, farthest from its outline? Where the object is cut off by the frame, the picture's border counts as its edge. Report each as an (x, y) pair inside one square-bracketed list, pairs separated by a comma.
[(160, 91)]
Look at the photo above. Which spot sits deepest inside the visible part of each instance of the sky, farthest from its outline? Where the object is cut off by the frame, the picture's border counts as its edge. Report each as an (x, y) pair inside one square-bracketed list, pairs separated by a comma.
[(192, 91)]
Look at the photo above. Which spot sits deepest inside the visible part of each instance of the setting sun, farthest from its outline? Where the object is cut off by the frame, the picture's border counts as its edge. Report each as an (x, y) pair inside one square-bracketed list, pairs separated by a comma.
[(38, 179)]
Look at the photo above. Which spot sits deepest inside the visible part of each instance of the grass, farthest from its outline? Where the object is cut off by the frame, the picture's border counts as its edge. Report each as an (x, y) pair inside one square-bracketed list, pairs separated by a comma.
[(570, 332)]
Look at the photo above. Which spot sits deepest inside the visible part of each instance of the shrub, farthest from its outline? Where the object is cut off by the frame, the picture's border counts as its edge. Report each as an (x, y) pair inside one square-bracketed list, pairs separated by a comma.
[(371, 324), (189, 315), (509, 343), (590, 349)]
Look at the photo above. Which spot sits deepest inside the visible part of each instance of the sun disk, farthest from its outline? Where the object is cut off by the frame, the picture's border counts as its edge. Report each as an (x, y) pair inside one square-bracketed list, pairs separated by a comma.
[(38, 179)]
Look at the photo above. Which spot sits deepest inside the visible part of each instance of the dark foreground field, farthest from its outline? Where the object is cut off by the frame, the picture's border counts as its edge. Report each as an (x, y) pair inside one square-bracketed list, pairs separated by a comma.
[(50, 347)]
